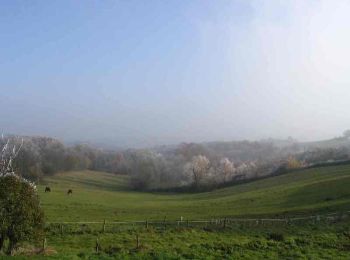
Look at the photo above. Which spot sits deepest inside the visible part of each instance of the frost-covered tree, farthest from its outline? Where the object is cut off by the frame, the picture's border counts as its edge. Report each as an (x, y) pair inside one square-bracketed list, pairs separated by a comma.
[(200, 168), (145, 169), (21, 217), (346, 134), (28, 161), (226, 169)]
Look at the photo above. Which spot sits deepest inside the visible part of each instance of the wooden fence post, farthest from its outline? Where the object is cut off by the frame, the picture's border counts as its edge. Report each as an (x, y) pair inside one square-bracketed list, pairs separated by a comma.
[(137, 241), (104, 226), (61, 229), (146, 223), (164, 224), (97, 246), (44, 244)]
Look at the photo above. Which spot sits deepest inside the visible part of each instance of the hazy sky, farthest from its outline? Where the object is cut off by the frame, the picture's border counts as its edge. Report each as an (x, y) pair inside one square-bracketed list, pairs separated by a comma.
[(136, 73)]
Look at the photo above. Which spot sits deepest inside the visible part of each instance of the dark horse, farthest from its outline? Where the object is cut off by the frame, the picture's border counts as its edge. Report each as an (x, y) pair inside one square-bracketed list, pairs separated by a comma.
[(47, 189), (70, 192)]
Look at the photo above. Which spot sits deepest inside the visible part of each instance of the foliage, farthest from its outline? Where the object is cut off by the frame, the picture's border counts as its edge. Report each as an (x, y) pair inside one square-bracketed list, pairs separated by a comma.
[(145, 169), (175, 167), (20, 212), (21, 217), (318, 155), (199, 166), (293, 163)]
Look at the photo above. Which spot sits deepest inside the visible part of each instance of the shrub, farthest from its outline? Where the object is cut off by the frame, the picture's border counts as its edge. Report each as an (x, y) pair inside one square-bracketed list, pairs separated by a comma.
[(20, 213)]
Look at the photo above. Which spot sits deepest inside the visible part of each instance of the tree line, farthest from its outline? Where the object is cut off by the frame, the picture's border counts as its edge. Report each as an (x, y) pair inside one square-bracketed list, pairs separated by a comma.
[(195, 166), (41, 156)]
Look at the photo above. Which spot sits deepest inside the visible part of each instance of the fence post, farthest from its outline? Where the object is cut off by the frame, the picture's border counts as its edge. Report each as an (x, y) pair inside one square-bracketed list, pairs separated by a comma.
[(137, 241), (61, 228), (104, 226), (146, 223), (188, 223), (97, 246), (164, 224), (44, 244)]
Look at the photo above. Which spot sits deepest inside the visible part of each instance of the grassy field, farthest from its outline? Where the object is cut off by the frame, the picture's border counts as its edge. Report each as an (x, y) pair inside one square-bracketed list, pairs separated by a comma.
[(309, 241), (98, 196)]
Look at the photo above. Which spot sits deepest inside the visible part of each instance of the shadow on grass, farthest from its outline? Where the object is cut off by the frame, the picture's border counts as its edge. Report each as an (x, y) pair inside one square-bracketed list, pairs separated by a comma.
[(322, 196), (111, 186)]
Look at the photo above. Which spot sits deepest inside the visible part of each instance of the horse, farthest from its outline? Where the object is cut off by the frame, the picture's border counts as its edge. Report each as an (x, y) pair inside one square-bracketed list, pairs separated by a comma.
[(70, 192), (47, 189)]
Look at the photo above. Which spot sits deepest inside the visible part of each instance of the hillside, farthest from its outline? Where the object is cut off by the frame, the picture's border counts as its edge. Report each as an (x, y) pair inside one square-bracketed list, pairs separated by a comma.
[(98, 196), (324, 144)]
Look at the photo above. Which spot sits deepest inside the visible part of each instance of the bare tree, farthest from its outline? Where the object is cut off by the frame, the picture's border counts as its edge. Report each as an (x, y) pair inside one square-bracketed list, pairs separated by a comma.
[(8, 153), (20, 212), (200, 167), (226, 169)]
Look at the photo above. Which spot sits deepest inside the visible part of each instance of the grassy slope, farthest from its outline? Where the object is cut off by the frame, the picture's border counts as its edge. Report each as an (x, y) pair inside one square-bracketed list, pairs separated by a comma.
[(98, 196), (321, 241)]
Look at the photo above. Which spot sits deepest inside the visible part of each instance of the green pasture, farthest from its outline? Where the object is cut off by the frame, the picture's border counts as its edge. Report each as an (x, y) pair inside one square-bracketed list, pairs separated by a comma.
[(98, 196)]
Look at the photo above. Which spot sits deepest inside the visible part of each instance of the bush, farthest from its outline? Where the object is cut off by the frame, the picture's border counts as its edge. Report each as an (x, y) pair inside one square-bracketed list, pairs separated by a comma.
[(20, 212)]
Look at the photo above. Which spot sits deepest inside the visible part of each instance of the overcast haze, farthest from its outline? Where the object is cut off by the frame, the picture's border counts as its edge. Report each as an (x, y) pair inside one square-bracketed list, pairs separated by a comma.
[(139, 73)]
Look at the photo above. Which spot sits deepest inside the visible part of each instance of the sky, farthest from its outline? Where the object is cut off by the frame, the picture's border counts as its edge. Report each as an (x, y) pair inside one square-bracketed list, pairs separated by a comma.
[(144, 73)]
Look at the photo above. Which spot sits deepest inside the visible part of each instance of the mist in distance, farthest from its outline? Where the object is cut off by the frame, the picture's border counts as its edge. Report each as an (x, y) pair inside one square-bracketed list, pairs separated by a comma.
[(141, 74)]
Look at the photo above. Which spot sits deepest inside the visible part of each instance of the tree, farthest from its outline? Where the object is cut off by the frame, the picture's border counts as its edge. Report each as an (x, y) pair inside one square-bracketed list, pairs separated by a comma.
[(200, 167), (293, 163), (20, 213), (28, 161), (346, 134), (145, 170), (226, 169)]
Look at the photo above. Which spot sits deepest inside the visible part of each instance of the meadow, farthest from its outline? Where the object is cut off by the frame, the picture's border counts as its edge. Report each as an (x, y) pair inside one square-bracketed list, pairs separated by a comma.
[(101, 196), (98, 196)]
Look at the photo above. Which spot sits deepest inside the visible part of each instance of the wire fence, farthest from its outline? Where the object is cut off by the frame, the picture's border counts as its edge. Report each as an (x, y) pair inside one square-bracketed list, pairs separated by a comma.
[(116, 226)]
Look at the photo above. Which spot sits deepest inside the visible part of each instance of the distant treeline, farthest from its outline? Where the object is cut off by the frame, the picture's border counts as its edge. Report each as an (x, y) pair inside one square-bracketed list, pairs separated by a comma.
[(184, 167), (40, 156)]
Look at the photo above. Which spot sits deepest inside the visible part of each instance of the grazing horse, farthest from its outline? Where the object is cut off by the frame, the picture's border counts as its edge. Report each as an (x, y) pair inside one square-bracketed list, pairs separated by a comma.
[(47, 189), (69, 192)]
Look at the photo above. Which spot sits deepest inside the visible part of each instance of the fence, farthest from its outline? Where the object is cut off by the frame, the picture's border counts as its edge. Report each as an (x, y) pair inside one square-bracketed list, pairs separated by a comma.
[(116, 226)]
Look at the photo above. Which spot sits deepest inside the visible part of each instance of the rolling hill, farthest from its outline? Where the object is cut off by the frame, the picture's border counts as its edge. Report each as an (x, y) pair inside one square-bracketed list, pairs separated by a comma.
[(97, 196)]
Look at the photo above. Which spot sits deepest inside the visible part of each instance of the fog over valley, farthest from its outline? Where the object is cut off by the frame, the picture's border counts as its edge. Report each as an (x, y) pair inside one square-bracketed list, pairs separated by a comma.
[(174, 129), (232, 70)]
